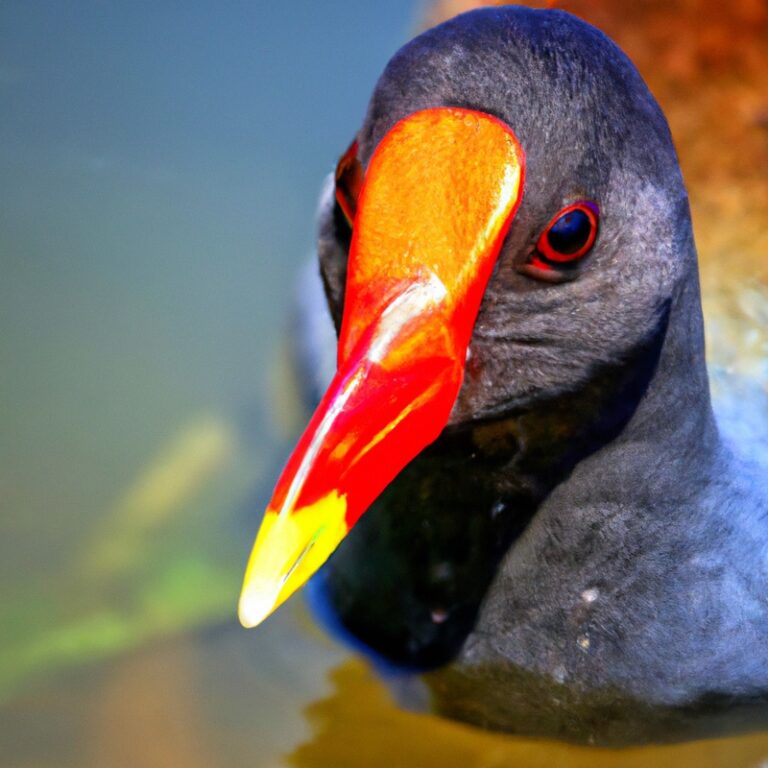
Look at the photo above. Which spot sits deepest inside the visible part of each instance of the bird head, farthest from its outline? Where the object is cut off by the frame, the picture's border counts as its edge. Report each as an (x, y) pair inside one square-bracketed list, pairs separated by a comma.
[(508, 225)]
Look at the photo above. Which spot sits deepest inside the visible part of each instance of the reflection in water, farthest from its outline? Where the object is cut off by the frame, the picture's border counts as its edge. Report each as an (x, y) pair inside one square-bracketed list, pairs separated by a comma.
[(139, 719), (162, 490), (144, 568), (218, 697), (359, 725), (225, 698)]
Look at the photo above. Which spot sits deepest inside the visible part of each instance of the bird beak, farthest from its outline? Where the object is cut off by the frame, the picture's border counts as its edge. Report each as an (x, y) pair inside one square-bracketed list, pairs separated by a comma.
[(436, 202)]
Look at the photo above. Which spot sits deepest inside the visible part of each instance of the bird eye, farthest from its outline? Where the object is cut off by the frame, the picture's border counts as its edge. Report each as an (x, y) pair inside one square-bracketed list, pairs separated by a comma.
[(349, 179), (568, 236)]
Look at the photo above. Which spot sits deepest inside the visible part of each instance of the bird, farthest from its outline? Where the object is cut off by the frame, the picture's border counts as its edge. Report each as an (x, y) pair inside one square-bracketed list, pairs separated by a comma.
[(515, 486)]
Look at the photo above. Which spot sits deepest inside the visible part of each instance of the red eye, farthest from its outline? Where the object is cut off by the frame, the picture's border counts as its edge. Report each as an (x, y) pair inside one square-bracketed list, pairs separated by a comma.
[(349, 179), (568, 237)]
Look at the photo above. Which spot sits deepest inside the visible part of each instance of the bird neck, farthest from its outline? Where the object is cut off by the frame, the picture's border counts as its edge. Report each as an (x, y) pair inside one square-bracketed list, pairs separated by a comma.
[(671, 442)]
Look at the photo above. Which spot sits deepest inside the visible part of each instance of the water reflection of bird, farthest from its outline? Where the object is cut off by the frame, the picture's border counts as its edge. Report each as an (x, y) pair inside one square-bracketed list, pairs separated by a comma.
[(357, 724), (579, 545)]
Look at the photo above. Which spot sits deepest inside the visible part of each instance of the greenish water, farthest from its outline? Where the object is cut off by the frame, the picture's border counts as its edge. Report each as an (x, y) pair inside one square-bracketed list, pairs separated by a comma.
[(159, 165)]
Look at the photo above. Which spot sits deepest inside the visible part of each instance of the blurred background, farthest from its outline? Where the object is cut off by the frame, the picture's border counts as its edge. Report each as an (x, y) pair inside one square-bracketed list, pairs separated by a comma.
[(159, 166)]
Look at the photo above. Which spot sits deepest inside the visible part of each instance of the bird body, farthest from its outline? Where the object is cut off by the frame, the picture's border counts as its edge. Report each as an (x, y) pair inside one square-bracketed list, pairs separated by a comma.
[(579, 544)]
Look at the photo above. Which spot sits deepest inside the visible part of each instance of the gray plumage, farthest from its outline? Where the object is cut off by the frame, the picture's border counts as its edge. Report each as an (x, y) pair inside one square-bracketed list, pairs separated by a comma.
[(579, 552)]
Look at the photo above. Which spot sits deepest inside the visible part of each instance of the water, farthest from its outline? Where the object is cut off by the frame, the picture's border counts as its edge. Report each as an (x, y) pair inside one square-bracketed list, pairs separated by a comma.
[(158, 172), (158, 177)]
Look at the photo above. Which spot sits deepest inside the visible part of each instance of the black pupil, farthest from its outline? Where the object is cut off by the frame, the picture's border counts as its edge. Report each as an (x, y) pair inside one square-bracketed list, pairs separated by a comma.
[(569, 233)]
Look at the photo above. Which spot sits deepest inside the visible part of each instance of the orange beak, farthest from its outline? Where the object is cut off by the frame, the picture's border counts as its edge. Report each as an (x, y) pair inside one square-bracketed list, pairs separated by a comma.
[(434, 208)]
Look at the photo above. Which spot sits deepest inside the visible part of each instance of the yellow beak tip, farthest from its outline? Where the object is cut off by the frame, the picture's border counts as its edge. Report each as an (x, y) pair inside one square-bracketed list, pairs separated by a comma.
[(254, 607), (288, 550)]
